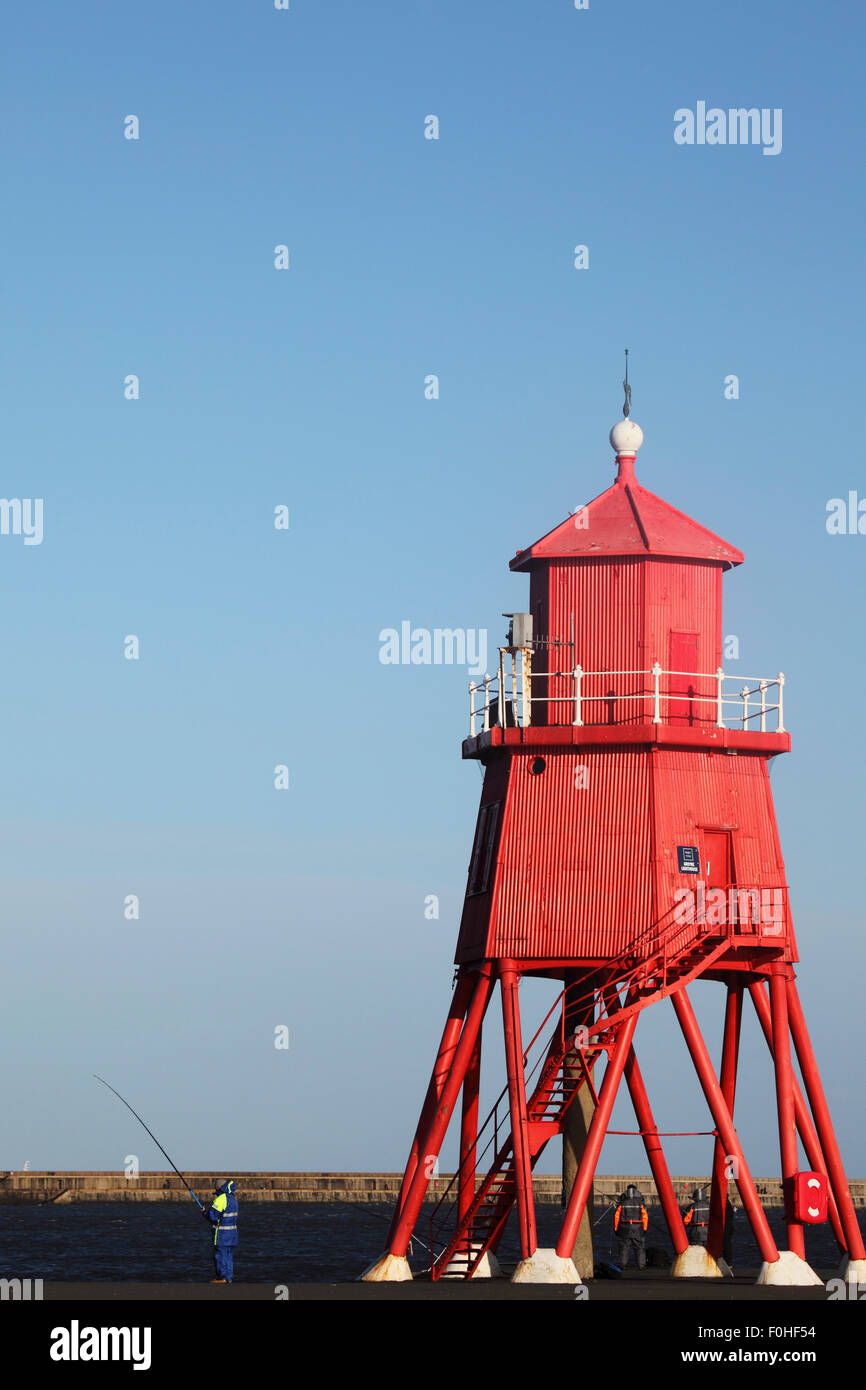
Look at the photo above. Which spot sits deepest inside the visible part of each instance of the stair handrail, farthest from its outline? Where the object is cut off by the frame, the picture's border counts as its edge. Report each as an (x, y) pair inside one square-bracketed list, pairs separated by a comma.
[(655, 929)]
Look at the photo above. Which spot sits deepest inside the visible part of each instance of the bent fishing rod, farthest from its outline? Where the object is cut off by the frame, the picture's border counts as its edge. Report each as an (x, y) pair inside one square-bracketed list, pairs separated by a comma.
[(153, 1137)]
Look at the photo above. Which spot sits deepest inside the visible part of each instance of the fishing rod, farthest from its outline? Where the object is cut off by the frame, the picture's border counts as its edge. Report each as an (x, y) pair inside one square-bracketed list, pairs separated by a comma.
[(153, 1137)]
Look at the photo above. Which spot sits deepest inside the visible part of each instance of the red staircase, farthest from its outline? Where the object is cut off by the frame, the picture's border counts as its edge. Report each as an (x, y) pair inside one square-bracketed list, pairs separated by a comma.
[(485, 1219)]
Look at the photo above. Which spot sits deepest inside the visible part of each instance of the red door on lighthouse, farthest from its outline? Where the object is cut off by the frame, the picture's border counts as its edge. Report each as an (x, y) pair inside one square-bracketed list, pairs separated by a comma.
[(683, 659), (716, 865)]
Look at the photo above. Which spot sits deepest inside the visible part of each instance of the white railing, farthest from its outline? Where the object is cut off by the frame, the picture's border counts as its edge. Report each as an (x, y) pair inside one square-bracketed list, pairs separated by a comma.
[(511, 696)]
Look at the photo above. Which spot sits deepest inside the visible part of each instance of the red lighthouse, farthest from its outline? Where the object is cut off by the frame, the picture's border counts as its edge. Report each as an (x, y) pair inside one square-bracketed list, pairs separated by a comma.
[(626, 845)]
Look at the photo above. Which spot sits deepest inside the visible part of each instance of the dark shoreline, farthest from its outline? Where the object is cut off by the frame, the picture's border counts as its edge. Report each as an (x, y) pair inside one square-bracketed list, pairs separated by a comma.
[(629, 1289)]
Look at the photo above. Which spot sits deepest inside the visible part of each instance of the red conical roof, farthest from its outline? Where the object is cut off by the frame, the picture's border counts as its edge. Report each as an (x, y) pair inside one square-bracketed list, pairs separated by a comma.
[(629, 520)]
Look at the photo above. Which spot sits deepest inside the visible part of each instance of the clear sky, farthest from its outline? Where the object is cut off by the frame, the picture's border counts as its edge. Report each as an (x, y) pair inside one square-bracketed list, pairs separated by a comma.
[(409, 257)]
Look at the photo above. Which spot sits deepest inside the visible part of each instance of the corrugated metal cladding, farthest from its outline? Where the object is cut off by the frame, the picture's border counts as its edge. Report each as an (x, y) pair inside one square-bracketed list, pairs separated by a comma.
[(574, 873), (695, 792), (605, 598), (476, 906), (587, 848), (624, 611), (685, 597)]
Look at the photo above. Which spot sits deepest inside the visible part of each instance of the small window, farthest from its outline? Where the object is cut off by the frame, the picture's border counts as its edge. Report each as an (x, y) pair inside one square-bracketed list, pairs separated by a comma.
[(484, 848)]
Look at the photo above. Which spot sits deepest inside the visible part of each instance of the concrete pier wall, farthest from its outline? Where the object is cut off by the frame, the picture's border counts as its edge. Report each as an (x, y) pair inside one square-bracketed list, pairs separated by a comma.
[(61, 1187)]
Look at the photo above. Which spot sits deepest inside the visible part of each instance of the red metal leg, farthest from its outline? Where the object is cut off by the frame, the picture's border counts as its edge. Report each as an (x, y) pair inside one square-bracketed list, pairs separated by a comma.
[(785, 1104), (517, 1103), (433, 1140), (823, 1124), (655, 1154), (808, 1133), (450, 1035), (728, 1082), (723, 1122), (469, 1131), (595, 1138)]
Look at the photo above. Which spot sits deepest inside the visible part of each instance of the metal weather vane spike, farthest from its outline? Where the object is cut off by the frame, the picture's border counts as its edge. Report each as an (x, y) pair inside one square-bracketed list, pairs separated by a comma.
[(626, 410)]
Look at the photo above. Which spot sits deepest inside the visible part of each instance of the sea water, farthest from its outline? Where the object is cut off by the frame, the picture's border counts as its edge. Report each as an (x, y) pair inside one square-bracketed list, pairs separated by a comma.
[(284, 1242)]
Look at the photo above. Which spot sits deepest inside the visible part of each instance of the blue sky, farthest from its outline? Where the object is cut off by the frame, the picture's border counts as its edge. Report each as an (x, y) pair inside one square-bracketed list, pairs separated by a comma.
[(408, 257)]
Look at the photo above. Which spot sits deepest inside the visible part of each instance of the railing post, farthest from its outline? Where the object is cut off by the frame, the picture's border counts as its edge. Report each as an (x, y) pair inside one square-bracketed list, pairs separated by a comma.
[(577, 677), (472, 689), (763, 706), (781, 725), (656, 671), (485, 723), (720, 708), (745, 698)]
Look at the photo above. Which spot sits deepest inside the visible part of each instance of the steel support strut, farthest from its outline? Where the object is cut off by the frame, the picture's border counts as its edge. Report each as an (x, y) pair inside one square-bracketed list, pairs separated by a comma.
[(450, 1035), (578, 1011), (517, 1104), (595, 1138), (655, 1154), (785, 1105), (723, 1122), (469, 1131), (808, 1133), (823, 1124), (432, 1141), (728, 1082)]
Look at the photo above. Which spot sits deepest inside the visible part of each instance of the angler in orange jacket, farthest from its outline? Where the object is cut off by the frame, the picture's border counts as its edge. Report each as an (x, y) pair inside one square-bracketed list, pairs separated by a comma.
[(630, 1221), (697, 1218)]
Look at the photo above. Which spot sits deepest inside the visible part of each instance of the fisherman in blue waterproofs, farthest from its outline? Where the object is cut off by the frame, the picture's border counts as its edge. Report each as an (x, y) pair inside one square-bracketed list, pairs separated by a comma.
[(223, 1213)]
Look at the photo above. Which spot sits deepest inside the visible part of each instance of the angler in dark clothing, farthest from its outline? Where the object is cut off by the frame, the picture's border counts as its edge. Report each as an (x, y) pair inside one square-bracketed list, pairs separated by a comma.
[(223, 1214), (630, 1221), (697, 1218)]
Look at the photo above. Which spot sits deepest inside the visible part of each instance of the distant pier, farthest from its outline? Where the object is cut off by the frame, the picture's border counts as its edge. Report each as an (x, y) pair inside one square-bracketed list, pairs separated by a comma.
[(102, 1186)]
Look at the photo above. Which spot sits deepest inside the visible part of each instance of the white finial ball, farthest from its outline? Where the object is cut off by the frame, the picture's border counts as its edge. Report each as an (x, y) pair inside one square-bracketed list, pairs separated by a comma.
[(626, 437)]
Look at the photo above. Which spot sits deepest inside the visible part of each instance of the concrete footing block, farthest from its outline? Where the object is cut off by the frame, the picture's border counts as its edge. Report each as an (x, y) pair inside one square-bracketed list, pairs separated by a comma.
[(389, 1269), (853, 1271), (546, 1267), (788, 1269), (695, 1262)]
